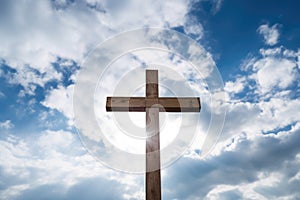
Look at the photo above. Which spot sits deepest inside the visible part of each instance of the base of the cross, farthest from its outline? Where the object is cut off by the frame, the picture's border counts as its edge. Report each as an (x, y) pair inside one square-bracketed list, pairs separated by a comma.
[(153, 185)]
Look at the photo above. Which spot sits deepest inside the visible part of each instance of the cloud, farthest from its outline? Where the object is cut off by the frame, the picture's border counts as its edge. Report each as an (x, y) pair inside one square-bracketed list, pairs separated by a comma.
[(71, 31), (90, 188), (217, 4), (61, 99), (270, 71), (6, 124), (30, 78), (193, 28), (224, 192), (275, 70), (235, 86), (53, 165), (270, 34), (262, 99), (258, 167)]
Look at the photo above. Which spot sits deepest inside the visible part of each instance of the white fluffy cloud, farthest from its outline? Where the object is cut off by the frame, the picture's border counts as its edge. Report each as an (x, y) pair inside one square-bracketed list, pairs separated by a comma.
[(61, 99), (270, 33), (55, 165), (261, 100), (235, 86), (36, 33), (275, 72)]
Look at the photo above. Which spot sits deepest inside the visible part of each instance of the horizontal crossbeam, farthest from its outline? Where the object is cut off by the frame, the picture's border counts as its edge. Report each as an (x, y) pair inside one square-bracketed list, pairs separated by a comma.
[(165, 104)]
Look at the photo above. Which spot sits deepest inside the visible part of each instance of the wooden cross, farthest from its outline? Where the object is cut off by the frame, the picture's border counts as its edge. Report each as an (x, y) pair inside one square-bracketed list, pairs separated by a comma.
[(152, 104)]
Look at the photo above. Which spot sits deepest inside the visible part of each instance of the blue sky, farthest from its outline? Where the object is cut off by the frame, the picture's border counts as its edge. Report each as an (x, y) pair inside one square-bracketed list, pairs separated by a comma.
[(254, 45)]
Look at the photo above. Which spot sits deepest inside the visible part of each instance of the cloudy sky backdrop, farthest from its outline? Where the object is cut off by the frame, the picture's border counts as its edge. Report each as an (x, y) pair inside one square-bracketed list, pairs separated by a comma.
[(254, 44)]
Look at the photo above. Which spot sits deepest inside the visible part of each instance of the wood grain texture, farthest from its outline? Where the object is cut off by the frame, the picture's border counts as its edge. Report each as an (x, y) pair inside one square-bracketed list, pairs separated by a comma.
[(153, 179), (125, 104), (165, 104), (186, 104), (151, 83)]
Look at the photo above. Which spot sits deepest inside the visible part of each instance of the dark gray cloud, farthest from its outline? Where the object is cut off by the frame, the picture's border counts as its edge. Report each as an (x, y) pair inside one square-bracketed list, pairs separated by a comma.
[(232, 194), (194, 179), (91, 188)]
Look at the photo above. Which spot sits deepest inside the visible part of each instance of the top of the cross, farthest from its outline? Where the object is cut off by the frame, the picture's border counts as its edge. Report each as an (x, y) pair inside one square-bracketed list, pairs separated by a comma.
[(165, 104)]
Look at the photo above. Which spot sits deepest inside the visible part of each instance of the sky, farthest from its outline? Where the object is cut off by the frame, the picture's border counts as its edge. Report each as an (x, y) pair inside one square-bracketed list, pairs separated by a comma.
[(242, 58)]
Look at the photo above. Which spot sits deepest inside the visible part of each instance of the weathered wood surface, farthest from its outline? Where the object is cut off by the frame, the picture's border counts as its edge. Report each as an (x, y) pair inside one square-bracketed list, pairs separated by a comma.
[(165, 104), (186, 104), (153, 178), (152, 84), (125, 104)]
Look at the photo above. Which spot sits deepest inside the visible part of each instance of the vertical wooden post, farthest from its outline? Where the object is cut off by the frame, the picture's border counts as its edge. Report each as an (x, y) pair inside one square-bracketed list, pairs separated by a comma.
[(153, 179)]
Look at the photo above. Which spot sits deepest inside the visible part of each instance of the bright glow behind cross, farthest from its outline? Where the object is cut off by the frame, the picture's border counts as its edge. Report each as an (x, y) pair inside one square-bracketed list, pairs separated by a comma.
[(116, 67)]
